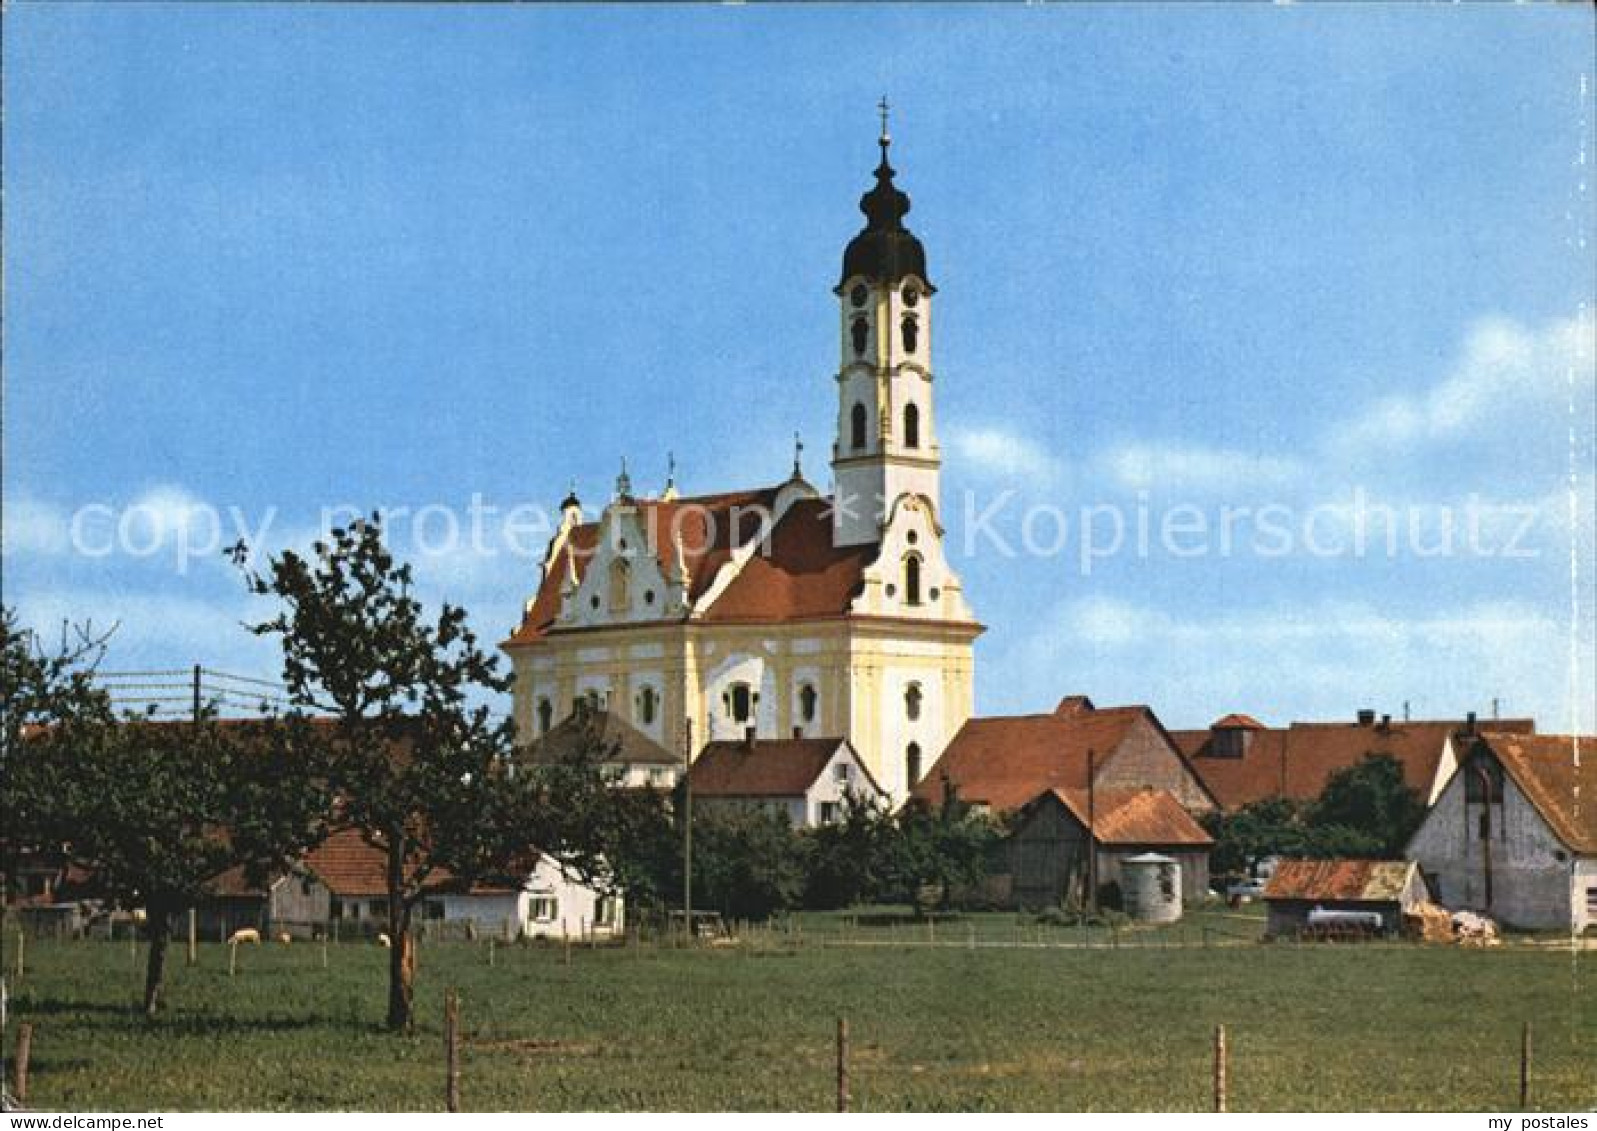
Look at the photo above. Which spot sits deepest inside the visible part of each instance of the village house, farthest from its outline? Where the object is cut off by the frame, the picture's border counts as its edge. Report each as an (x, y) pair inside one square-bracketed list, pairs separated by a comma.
[(1242, 761), (1514, 833), (1046, 853), (1002, 762), (809, 780), (625, 755), (1386, 889), (340, 889)]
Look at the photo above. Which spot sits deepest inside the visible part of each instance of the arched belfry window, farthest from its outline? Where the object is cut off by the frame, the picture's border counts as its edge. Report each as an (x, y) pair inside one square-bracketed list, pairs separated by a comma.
[(856, 430), (807, 702), (911, 332), (861, 330), (912, 701), (912, 765), (912, 579), (648, 705), (546, 711), (911, 426)]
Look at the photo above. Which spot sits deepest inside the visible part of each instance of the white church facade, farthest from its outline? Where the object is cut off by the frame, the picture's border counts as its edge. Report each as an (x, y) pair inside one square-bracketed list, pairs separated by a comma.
[(778, 610)]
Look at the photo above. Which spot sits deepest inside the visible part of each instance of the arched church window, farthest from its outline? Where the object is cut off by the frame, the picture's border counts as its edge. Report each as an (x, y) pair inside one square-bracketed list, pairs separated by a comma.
[(911, 332), (620, 584), (912, 701), (648, 705), (912, 764), (739, 702), (912, 579), (911, 426), (856, 429), (807, 702), (546, 713), (861, 330)]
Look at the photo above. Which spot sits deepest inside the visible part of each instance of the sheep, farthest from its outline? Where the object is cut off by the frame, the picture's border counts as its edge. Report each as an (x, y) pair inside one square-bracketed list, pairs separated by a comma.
[(245, 935), (284, 937), (384, 941)]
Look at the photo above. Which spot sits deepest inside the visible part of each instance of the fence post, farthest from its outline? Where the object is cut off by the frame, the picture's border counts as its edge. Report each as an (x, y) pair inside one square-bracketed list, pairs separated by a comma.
[(490, 952), (1524, 1067), (24, 1051), (452, 1050), (1219, 1069), (324, 952), (22, 947), (842, 1064), (194, 938), (232, 959)]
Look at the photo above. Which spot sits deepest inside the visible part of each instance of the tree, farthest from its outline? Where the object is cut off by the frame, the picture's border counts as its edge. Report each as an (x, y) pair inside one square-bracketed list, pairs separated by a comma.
[(155, 812), (1259, 829), (851, 861), (1363, 811), (943, 847), (413, 754), (1367, 809), (747, 863)]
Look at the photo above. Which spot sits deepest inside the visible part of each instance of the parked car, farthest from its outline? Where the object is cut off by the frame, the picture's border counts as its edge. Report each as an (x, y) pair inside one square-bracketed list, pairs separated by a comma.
[(1245, 889)]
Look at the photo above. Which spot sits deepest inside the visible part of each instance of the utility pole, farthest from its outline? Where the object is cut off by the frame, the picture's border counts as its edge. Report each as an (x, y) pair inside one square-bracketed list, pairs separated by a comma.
[(687, 828), (198, 674)]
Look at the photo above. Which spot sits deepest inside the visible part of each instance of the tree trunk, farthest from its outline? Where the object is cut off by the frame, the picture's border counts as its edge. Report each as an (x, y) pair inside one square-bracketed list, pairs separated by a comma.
[(158, 927), (401, 961)]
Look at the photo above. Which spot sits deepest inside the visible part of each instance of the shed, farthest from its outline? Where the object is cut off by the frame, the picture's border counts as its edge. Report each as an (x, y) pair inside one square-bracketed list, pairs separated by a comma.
[(1047, 858), (1386, 887)]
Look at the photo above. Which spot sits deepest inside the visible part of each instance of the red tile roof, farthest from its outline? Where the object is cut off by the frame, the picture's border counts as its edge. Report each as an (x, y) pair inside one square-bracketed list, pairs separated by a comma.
[(349, 867), (710, 528), (1558, 775), (1151, 817), (1339, 880), (801, 575), (1297, 761), (594, 731), (1005, 761), (782, 767)]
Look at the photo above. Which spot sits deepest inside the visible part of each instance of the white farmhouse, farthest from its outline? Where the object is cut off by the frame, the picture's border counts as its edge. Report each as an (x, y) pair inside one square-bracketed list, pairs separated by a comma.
[(1514, 832), (809, 780)]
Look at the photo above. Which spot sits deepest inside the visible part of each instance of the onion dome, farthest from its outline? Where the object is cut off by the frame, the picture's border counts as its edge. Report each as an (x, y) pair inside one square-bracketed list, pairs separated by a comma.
[(885, 251)]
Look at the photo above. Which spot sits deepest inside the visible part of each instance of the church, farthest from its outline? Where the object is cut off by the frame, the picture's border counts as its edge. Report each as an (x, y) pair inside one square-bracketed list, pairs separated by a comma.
[(775, 611)]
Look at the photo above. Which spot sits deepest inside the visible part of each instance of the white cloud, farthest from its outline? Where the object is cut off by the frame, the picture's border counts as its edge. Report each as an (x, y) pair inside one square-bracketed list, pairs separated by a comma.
[(996, 452), (1505, 366), (1320, 661), (33, 527), (1192, 467)]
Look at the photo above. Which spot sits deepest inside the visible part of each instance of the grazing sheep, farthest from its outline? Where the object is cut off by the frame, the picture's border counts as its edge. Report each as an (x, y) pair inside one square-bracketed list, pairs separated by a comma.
[(284, 937), (245, 935), (383, 941)]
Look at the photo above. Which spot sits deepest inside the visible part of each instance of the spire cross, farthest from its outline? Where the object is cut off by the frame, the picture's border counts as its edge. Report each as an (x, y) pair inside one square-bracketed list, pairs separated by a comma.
[(798, 456), (882, 108)]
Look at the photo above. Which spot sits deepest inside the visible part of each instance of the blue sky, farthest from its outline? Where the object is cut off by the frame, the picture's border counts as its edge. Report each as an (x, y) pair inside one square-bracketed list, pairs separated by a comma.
[(280, 258)]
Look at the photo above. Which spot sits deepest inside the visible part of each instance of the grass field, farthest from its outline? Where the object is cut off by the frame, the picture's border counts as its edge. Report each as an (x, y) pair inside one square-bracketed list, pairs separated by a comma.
[(935, 1027)]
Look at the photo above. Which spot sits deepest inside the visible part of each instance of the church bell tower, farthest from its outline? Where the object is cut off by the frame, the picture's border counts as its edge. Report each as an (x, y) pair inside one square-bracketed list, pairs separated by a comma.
[(886, 444)]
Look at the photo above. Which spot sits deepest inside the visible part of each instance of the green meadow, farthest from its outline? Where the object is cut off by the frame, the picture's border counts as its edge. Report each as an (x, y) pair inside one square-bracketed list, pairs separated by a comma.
[(979, 1014)]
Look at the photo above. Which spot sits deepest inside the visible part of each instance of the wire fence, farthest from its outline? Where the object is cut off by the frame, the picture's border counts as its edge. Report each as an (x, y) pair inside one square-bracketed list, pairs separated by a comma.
[(188, 692)]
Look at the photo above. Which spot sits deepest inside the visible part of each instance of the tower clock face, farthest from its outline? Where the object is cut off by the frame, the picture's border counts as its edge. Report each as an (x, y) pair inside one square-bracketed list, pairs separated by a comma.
[(911, 295), (859, 294)]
